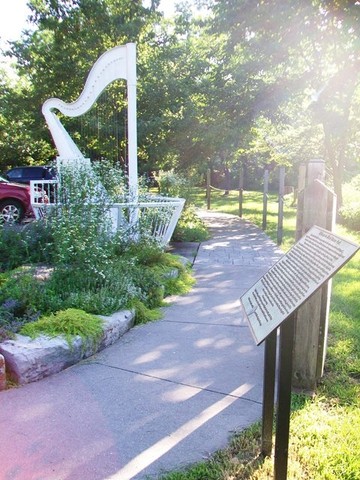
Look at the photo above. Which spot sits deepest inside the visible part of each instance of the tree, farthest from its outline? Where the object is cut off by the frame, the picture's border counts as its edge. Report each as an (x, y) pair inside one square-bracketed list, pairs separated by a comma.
[(55, 57), (282, 51)]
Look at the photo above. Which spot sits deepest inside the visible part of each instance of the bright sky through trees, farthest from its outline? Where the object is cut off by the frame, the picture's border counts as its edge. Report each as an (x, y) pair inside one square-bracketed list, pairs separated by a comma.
[(13, 17)]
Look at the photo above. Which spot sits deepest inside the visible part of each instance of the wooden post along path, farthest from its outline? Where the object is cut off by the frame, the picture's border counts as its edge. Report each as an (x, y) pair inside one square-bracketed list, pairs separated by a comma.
[(208, 188), (241, 191), (281, 205), (265, 198), (316, 206)]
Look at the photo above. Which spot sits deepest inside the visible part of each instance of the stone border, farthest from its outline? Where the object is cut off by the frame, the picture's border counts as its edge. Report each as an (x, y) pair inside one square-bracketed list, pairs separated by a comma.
[(30, 360)]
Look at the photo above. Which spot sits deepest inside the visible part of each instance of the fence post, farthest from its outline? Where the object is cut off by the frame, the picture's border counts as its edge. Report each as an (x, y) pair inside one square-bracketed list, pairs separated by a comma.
[(241, 191), (316, 206), (280, 229), (265, 198), (208, 191), (301, 181)]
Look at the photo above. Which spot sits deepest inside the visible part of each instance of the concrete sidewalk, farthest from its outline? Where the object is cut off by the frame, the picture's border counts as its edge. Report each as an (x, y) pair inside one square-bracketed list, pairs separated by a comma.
[(168, 394)]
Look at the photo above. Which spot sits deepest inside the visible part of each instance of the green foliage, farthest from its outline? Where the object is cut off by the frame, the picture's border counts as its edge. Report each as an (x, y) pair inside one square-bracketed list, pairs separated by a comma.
[(100, 293), (201, 471), (326, 441), (350, 216), (179, 285), (69, 323), (112, 177), (173, 184), (343, 356), (81, 226), (350, 211), (13, 315), (21, 285), (190, 227), (25, 244), (93, 270), (143, 314), (146, 251)]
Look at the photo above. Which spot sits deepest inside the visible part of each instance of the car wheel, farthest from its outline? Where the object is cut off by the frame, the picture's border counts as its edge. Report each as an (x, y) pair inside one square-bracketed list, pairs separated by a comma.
[(11, 211)]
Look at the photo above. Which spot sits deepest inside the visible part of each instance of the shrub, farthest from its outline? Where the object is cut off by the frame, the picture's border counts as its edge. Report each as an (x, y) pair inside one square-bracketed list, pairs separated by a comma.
[(143, 314), (21, 285), (173, 184), (350, 216), (25, 244), (112, 177), (101, 292), (350, 211), (82, 225), (190, 227), (13, 315)]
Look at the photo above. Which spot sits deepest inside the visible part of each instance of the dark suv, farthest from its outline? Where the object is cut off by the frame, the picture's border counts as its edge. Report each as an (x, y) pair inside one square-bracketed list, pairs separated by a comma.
[(26, 174)]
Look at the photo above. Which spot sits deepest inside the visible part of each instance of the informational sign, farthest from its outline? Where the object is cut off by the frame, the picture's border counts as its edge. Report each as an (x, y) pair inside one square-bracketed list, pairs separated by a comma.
[(315, 258)]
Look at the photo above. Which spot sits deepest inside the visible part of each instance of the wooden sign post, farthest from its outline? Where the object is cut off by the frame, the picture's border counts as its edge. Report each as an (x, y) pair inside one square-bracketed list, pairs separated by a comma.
[(316, 205), (272, 303)]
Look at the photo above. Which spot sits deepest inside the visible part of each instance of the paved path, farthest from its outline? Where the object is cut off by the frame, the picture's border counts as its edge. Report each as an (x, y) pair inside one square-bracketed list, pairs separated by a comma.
[(167, 394)]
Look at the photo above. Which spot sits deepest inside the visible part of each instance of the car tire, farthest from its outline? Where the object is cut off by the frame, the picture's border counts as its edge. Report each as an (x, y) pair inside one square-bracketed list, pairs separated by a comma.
[(11, 211)]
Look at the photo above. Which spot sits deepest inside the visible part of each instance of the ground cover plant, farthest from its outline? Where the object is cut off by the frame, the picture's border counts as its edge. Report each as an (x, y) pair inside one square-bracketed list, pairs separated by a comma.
[(325, 427), (68, 323)]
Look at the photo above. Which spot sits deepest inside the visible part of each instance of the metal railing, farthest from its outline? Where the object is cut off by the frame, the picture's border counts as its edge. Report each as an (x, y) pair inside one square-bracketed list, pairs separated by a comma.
[(154, 215)]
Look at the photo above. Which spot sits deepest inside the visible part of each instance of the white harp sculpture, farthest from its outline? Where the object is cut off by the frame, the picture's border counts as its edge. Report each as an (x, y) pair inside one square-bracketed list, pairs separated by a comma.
[(117, 63)]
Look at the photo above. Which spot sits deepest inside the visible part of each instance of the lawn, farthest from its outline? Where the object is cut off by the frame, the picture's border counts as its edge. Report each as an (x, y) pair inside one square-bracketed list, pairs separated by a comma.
[(325, 427)]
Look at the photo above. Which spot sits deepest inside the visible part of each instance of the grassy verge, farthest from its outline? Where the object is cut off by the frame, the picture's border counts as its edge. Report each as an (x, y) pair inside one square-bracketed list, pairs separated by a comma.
[(325, 428)]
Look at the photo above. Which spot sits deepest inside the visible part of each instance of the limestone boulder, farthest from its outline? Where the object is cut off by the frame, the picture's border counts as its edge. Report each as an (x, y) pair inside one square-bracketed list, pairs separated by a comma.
[(28, 360)]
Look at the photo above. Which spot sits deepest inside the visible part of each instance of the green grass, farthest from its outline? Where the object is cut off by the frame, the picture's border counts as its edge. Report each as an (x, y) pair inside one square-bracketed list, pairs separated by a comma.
[(324, 429), (342, 379)]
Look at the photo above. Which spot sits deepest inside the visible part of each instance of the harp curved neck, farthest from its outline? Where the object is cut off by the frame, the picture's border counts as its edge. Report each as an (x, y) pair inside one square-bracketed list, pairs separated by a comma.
[(117, 63)]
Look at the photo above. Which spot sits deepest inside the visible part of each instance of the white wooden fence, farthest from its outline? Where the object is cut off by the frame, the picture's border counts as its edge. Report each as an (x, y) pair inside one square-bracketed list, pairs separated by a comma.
[(156, 215)]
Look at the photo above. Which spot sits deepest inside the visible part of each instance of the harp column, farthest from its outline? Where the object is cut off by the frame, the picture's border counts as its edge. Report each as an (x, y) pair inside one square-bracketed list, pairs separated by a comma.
[(132, 121)]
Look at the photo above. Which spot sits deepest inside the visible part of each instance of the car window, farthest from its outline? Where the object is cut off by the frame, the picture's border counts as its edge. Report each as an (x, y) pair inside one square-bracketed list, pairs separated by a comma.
[(33, 172), (17, 173)]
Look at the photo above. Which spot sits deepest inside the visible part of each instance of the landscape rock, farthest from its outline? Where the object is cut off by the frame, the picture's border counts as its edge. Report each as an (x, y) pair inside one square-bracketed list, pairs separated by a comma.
[(29, 360)]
